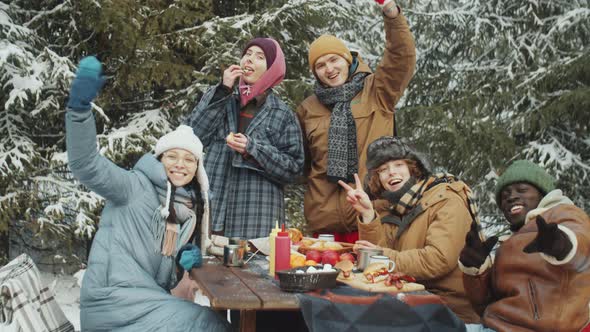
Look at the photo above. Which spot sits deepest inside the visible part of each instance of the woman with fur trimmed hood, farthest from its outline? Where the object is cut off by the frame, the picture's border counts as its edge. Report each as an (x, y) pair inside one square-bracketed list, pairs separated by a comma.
[(424, 225), (142, 246)]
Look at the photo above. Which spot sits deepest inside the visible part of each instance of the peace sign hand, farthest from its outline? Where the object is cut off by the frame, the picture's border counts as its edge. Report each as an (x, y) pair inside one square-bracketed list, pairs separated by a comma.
[(476, 251), (359, 199)]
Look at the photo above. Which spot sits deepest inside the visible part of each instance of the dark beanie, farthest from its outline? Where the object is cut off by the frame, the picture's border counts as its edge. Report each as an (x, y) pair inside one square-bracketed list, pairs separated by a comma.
[(525, 171), (268, 47), (388, 148)]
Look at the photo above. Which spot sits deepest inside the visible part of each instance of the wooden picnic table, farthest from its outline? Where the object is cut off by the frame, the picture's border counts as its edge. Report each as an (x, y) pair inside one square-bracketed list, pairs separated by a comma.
[(241, 289)]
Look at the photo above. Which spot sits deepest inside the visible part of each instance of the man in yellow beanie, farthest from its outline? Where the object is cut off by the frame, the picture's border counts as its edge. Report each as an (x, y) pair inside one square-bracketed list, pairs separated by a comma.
[(351, 107)]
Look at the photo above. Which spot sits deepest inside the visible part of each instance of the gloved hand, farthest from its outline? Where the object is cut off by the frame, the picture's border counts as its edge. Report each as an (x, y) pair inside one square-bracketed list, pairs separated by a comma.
[(189, 256), (86, 85), (475, 252), (389, 8), (550, 240)]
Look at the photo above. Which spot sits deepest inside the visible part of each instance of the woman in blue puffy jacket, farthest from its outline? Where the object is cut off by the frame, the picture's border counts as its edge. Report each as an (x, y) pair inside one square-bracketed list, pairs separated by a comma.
[(150, 216)]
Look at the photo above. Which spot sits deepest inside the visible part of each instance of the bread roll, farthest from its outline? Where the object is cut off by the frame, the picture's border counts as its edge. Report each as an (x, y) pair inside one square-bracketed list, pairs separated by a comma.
[(295, 235), (230, 137), (332, 245)]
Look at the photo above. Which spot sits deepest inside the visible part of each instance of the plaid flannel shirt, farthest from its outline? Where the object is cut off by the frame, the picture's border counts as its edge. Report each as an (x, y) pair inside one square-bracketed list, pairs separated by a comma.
[(247, 194)]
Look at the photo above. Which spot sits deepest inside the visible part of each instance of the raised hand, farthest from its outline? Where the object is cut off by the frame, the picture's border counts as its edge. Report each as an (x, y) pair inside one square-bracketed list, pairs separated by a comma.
[(359, 199), (86, 85), (550, 240), (475, 252), (389, 8), (231, 74)]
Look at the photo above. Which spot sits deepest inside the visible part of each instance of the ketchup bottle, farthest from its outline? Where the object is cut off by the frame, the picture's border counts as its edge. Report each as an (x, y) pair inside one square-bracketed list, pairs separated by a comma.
[(282, 251)]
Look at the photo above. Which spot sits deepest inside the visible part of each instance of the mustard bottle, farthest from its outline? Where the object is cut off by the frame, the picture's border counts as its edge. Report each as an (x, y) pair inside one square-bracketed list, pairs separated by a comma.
[(271, 242)]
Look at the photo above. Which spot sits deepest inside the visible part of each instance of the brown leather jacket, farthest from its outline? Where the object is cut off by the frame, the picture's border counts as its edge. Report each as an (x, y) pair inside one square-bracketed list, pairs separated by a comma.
[(429, 248), (325, 205), (529, 292)]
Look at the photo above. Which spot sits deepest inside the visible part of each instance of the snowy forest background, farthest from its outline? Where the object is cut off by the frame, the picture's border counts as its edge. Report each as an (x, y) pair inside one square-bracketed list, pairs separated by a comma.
[(495, 80)]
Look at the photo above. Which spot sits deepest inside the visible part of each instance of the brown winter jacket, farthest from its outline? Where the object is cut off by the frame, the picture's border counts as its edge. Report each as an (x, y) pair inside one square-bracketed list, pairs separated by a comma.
[(326, 209), (529, 292), (429, 248)]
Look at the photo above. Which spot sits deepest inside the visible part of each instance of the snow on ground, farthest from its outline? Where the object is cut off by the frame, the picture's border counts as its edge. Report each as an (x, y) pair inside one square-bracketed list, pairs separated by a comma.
[(67, 294)]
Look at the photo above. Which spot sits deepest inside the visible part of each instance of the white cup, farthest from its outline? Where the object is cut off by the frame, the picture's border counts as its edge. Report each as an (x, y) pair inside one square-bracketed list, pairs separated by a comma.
[(384, 260), (326, 237)]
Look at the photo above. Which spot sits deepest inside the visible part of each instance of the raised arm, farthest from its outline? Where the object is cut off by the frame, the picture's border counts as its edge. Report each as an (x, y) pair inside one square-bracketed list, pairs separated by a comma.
[(209, 113), (399, 59), (93, 170)]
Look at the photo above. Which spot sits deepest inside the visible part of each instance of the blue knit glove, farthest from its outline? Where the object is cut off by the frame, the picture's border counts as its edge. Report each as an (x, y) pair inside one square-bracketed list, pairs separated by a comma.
[(86, 85), (189, 256)]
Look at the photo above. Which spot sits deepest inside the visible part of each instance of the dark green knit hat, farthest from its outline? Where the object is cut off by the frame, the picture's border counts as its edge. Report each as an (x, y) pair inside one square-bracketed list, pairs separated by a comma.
[(525, 171)]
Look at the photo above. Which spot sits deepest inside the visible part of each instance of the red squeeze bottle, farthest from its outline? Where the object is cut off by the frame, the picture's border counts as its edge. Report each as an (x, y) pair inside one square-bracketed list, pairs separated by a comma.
[(282, 251)]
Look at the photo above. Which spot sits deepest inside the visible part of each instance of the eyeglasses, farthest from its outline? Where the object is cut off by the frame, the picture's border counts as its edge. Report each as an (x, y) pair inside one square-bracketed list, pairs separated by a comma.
[(171, 158)]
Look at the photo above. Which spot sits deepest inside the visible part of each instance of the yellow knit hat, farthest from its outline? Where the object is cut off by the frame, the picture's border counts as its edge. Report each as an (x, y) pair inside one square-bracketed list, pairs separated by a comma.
[(327, 44)]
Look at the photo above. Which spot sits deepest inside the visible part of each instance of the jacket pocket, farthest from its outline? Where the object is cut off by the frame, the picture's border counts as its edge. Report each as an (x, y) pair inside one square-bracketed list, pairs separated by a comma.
[(533, 300), (364, 113), (316, 134)]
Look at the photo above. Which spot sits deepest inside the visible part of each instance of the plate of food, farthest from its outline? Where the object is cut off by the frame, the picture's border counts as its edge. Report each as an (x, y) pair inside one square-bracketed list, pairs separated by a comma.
[(376, 278)]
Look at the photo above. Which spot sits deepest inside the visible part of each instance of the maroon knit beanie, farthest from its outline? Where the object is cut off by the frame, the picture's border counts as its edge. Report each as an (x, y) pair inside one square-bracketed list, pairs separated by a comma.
[(267, 46)]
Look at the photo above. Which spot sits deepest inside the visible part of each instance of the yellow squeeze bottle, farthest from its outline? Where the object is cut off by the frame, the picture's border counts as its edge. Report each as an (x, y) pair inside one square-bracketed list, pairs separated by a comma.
[(271, 240)]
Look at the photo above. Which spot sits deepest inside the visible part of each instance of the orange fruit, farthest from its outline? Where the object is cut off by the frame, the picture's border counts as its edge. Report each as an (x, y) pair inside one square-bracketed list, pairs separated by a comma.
[(310, 262), (297, 260)]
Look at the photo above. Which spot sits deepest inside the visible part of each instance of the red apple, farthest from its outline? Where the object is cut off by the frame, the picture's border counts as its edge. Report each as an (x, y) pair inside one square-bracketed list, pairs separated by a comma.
[(313, 255), (330, 257), (347, 257)]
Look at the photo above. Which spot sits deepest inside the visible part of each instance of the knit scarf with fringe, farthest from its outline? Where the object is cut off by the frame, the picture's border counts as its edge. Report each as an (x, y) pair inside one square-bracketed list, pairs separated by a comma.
[(170, 236), (342, 141)]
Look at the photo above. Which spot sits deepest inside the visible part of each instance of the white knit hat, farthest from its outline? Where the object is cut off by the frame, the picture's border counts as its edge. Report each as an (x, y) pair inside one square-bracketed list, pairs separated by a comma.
[(182, 138)]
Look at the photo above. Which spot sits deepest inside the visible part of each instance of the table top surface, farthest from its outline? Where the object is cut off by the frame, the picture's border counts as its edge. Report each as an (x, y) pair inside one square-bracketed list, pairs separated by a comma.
[(245, 288)]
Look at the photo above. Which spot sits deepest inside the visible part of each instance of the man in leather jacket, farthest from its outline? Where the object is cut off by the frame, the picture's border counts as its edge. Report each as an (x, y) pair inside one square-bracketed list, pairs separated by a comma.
[(539, 278)]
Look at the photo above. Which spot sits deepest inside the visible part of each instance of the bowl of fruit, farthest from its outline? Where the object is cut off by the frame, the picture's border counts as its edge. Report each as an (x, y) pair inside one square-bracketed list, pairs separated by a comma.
[(308, 278)]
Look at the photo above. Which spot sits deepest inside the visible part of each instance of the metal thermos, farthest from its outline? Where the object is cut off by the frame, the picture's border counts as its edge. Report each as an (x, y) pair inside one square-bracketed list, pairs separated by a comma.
[(364, 256), (233, 255)]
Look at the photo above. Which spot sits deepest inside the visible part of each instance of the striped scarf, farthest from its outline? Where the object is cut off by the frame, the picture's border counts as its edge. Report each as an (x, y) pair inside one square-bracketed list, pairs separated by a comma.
[(407, 208)]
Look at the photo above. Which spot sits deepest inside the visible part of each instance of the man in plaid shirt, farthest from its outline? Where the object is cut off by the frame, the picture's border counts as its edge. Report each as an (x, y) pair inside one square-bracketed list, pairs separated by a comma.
[(249, 169)]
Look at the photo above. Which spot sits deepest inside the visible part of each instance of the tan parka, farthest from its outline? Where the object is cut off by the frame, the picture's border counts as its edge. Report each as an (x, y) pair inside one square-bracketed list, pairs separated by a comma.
[(326, 209), (429, 248)]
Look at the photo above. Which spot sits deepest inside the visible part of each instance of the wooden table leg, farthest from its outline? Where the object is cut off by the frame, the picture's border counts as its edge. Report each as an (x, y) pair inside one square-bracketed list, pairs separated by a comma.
[(247, 320)]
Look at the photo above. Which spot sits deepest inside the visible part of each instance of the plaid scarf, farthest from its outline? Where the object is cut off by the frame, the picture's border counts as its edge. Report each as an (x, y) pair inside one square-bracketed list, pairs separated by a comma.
[(25, 303), (342, 144), (408, 208)]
